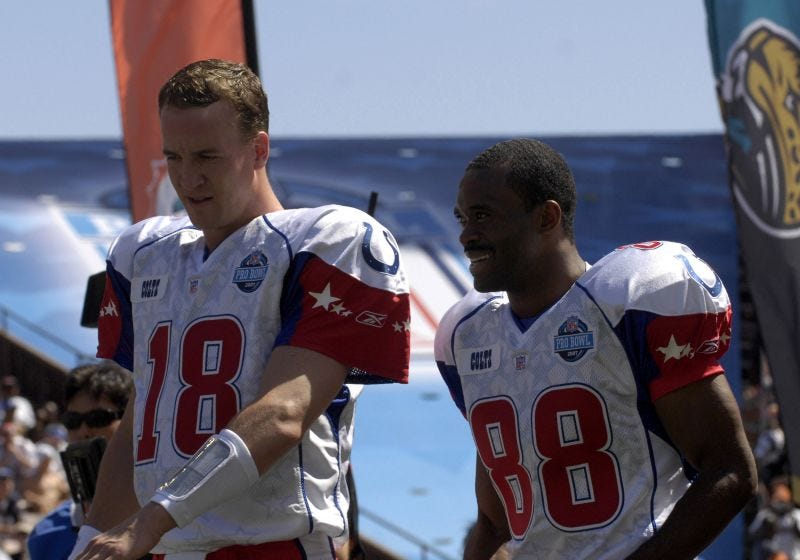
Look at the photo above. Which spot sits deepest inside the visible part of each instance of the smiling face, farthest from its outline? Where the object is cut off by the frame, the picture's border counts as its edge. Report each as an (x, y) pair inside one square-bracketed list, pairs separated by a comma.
[(498, 234), (214, 168)]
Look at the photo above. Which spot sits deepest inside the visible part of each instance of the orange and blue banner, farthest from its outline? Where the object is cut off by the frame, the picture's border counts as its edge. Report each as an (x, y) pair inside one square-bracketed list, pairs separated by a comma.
[(152, 39)]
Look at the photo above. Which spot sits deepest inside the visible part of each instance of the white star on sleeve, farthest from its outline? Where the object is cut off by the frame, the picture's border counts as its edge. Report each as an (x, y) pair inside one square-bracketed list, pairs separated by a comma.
[(324, 298), (340, 309), (108, 310), (672, 349)]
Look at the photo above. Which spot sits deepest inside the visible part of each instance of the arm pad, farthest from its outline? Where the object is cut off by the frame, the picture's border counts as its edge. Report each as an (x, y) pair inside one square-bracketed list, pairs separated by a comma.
[(220, 470)]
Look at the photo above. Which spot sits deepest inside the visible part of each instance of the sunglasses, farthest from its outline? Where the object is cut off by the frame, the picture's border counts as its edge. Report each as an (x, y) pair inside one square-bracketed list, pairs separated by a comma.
[(97, 418)]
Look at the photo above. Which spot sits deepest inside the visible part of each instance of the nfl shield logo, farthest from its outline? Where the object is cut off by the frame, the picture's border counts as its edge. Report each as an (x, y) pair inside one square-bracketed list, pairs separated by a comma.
[(193, 284), (520, 361)]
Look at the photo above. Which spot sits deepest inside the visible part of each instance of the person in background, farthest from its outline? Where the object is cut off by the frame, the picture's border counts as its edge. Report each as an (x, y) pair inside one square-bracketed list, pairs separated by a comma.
[(12, 537), (96, 396), (20, 454), (15, 407), (770, 447), (47, 413), (53, 441), (776, 527), (601, 415), (47, 485)]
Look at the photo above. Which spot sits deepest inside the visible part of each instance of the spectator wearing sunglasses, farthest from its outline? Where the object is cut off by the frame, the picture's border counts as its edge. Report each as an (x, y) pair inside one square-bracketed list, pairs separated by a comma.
[(95, 395)]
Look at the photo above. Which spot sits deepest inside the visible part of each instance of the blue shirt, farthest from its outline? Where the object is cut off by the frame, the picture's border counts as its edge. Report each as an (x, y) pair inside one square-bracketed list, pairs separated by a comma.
[(54, 536)]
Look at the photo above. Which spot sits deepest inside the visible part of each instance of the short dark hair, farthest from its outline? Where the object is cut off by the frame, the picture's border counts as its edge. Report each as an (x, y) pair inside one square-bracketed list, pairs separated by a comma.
[(103, 379), (204, 82), (536, 172)]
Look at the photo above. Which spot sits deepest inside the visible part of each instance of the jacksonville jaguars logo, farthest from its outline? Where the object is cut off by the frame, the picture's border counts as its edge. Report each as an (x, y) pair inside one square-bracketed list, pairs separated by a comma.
[(249, 275), (573, 340), (760, 92)]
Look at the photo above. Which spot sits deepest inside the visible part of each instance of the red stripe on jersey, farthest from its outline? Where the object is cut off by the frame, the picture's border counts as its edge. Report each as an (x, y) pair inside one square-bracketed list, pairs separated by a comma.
[(109, 323), (357, 325), (687, 348), (285, 550)]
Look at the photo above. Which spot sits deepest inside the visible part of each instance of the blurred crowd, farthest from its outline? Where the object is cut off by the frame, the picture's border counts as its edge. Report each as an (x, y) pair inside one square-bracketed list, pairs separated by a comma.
[(32, 479), (38, 517), (772, 519)]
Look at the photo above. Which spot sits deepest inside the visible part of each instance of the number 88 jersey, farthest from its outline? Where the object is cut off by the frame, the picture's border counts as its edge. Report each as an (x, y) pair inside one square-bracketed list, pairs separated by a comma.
[(561, 410)]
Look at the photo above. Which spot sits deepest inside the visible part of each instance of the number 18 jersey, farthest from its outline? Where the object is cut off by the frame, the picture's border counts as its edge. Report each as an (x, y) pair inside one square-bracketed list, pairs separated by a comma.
[(562, 411), (197, 330)]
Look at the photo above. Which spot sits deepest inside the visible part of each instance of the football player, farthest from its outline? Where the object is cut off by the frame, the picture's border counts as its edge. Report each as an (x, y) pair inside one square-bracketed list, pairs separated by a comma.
[(243, 325), (604, 425)]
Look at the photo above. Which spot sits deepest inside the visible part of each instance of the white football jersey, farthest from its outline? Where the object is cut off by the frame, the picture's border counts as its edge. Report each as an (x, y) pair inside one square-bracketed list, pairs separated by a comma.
[(562, 411), (197, 330)]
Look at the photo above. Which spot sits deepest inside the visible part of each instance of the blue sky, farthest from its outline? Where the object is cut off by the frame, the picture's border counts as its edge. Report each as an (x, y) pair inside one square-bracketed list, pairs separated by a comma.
[(343, 68)]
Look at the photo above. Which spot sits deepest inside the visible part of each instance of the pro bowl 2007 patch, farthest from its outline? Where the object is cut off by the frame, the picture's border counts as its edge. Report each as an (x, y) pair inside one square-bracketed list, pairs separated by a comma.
[(573, 340), (249, 275)]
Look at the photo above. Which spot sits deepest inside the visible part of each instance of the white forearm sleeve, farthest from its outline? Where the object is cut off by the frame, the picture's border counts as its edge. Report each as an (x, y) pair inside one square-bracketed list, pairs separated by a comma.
[(220, 470), (85, 534)]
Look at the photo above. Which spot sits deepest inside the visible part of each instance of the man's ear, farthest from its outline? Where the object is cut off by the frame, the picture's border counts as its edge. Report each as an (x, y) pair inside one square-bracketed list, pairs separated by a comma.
[(550, 216), (261, 147)]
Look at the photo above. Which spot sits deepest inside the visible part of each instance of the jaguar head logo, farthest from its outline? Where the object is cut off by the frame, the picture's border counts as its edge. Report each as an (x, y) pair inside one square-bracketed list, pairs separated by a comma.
[(760, 98)]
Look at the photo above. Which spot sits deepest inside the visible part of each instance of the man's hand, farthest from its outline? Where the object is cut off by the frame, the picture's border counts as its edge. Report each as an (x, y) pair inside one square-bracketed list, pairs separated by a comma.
[(131, 539)]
